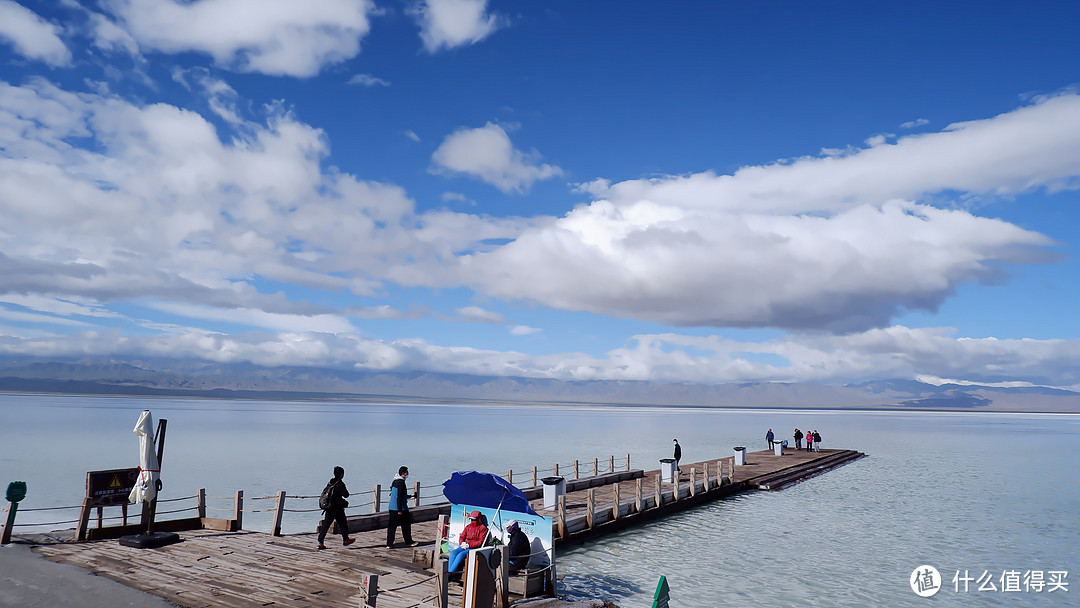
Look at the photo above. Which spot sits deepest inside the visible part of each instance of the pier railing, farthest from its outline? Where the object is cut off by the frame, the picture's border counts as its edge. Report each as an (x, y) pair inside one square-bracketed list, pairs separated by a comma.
[(227, 512)]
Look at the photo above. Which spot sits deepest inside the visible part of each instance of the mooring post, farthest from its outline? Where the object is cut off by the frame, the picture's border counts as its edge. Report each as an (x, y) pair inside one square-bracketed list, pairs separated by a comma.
[(675, 486), (376, 501), (369, 590), (708, 485), (615, 500), (659, 494), (693, 481), (279, 510), (238, 510), (640, 492), (590, 507), (441, 580), (562, 515)]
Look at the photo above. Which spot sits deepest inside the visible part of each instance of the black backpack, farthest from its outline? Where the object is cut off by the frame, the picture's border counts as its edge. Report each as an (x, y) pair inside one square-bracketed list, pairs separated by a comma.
[(327, 496)]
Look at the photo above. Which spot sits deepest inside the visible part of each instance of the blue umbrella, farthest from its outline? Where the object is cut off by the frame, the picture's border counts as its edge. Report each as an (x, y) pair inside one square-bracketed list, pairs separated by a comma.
[(485, 490)]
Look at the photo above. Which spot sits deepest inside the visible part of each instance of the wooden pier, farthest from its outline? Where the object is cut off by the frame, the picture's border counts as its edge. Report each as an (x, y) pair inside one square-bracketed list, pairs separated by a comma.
[(245, 569)]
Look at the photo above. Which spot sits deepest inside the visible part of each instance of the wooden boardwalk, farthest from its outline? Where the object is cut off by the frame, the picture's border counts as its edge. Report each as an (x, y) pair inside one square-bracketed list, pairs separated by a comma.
[(251, 569)]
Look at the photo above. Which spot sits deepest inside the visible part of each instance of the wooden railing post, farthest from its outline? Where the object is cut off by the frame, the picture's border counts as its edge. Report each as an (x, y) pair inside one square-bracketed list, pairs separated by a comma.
[(200, 502), (659, 494), (416, 494), (436, 553), (238, 509), (640, 493), (595, 466), (693, 481), (369, 590), (611, 464), (279, 510), (615, 500), (628, 462), (441, 580), (376, 502), (510, 476), (675, 486), (555, 470), (502, 594), (562, 515), (534, 484), (590, 506), (577, 471)]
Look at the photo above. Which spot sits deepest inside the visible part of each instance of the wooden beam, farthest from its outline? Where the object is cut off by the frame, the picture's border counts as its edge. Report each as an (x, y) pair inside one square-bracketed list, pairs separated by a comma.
[(279, 511)]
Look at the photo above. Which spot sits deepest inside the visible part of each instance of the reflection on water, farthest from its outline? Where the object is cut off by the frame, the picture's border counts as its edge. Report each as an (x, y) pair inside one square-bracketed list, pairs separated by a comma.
[(957, 491)]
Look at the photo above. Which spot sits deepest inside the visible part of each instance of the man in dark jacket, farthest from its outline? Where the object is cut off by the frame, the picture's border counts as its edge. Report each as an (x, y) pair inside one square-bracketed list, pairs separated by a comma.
[(399, 510), (336, 512), (678, 453), (517, 546)]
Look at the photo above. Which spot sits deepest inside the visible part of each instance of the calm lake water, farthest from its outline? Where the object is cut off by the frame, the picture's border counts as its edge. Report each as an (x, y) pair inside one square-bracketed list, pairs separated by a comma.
[(989, 494)]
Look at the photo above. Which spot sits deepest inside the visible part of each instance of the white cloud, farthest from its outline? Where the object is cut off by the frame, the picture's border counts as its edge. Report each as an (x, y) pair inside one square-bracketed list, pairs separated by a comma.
[(524, 330), (488, 154), (911, 124), (475, 314), (412, 135), (894, 352), (31, 36), (839, 243), (367, 80), (326, 323), (446, 24), (275, 37)]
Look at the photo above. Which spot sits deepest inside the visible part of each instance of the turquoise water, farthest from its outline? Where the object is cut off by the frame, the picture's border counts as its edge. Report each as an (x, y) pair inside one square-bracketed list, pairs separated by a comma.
[(977, 492)]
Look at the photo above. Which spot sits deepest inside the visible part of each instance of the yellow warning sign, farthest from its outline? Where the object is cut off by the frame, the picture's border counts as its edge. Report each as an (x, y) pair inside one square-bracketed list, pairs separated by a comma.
[(115, 483)]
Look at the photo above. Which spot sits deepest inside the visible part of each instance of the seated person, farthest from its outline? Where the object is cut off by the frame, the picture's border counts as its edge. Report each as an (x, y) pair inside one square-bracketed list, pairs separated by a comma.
[(518, 547), (472, 537)]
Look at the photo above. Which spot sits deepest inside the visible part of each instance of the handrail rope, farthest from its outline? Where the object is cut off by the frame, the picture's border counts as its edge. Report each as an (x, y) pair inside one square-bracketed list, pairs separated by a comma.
[(218, 508), (298, 496), (22, 510), (50, 523), (409, 585), (176, 510), (257, 510), (301, 510), (260, 497), (176, 499), (221, 497)]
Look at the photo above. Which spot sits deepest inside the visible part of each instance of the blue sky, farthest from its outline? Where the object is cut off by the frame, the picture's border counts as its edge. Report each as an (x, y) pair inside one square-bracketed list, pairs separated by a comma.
[(677, 191)]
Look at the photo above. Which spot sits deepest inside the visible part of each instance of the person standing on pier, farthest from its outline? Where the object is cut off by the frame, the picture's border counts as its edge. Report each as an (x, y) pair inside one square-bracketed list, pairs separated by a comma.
[(817, 441), (798, 439), (809, 442), (678, 455), (399, 509), (769, 438), (335, 511)]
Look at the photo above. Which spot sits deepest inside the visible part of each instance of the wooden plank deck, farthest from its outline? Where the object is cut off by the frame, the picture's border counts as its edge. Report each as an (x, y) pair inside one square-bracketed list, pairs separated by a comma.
[(252, 569)]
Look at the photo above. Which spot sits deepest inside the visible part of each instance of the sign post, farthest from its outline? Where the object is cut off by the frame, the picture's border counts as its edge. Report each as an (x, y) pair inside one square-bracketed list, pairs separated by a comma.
[(16, 491)]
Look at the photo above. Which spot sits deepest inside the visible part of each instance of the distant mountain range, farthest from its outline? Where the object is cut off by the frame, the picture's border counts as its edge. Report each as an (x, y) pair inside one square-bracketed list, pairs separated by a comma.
[(203, 380)]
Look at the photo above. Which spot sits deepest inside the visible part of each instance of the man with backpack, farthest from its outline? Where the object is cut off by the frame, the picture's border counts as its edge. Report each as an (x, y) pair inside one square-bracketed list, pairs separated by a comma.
[(332, 502), (399, 509)]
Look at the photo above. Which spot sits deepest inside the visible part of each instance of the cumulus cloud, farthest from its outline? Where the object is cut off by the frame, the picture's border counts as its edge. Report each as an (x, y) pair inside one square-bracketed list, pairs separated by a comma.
[(275, 37), (446, 24), (475, 314), (840, 243), (911, 124), (893, 352), (488, 154), (31, 36)]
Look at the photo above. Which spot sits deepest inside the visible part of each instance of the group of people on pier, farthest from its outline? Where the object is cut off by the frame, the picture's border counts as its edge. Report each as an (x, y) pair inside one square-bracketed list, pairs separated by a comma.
[(813, 440)]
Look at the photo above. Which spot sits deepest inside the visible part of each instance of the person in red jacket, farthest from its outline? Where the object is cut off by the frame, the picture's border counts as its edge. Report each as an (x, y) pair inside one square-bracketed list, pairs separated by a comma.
[(472, 537)]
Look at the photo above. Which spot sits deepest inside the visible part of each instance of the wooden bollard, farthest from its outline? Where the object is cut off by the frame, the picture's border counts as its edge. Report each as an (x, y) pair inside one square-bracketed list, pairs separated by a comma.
[(369, 590), (377, 500), (416, 494), (238, 509), (675, 487), (693, 481), (708, 486), (615, 502), (590, 507), (441, 583), (279, 511), (659, 495), (562, 515), (638, 498)]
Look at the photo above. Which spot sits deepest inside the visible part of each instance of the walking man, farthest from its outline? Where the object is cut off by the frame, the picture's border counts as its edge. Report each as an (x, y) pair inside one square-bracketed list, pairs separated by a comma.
[(399, 509), (769, 438), (678, 455), (334, 510)]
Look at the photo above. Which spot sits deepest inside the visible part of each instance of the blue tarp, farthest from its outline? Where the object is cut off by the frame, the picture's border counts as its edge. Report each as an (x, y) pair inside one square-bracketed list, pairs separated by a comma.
[(485, 490)]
